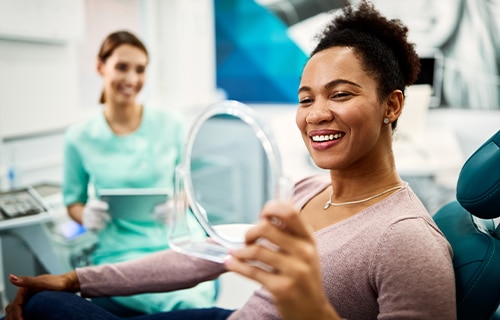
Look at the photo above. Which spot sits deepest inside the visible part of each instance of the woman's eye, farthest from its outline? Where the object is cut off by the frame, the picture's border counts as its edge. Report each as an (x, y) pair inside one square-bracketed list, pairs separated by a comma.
[(305, 100), (340, 95), (141, 70), (121, 67)]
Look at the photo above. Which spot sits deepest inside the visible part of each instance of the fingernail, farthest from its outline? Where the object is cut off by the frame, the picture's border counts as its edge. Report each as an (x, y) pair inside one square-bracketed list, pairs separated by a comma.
[(13, 278), (227, 259)]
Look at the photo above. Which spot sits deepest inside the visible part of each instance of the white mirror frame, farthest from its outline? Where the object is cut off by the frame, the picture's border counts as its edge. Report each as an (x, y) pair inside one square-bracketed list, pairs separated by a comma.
[(219, 246)]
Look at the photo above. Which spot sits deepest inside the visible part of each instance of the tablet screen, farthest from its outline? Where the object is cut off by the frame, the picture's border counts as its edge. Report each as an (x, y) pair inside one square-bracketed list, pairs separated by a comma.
[(133, 204)]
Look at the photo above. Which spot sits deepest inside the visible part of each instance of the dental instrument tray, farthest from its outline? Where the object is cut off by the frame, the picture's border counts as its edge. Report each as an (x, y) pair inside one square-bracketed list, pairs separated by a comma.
[(20, 207), (135, 204)]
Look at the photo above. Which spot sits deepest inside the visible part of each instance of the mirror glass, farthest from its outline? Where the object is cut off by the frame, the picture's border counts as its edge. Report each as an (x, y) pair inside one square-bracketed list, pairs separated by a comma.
[(231, 167)]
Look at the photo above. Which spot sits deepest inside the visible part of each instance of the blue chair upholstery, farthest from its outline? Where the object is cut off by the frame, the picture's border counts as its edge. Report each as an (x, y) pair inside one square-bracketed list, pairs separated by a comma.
[(469, 227)]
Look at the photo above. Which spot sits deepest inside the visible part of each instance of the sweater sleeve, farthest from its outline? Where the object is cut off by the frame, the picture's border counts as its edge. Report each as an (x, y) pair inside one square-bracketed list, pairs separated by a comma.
[(159, 272), (413, 273)]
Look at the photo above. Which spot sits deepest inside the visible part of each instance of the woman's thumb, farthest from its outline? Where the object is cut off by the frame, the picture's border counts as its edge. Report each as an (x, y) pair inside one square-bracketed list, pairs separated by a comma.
[(15, 279)]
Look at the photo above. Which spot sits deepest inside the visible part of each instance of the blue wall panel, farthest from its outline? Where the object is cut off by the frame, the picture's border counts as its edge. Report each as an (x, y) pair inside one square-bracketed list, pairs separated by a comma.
[(256, 60)]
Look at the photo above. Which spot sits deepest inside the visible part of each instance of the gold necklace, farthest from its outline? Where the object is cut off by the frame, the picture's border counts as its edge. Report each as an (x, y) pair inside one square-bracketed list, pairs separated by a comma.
[(334, 204)]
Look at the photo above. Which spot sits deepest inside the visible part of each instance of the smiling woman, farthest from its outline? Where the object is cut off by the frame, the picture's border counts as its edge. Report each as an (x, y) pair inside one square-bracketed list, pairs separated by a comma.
[(335, 88), (119, 148), (122, 62)]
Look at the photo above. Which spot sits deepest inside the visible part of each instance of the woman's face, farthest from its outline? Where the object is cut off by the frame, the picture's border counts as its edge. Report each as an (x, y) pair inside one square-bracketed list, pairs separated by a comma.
[(339, 114), (123, 74)]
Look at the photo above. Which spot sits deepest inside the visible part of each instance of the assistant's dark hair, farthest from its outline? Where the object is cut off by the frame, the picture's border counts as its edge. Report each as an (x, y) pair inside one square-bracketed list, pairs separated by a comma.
[(380, 43), (113, 41)]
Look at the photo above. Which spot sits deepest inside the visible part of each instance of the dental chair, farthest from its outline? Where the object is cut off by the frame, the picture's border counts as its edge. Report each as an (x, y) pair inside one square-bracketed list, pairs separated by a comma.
[(470, 225)]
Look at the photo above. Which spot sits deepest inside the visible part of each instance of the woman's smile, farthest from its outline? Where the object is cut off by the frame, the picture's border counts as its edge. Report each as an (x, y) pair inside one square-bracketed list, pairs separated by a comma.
[(325, 139)]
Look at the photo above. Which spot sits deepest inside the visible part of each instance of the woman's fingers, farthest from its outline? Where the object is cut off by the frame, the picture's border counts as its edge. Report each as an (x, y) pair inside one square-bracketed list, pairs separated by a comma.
[(28, 286), (281, 254), (266, 267), (280, 272), (38, 282), (285, 216), (282, 226), (251, 269), (64, 282), (280, 244), (279, 249), (14, 310)]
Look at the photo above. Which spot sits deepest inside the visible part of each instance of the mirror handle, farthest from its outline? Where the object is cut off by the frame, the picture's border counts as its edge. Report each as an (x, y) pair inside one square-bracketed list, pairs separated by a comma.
[(285, 188)]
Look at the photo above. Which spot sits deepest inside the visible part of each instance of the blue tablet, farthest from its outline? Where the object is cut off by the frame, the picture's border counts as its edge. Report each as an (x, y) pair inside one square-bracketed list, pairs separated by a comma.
[(133, 204)]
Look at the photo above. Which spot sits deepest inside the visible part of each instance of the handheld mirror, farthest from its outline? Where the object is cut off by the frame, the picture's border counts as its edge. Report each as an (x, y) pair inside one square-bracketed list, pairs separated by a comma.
[(231, 167)]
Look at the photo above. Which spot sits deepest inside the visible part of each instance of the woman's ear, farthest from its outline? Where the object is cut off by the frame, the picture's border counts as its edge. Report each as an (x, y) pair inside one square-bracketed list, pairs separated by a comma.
[(394, 105), (100, 67)]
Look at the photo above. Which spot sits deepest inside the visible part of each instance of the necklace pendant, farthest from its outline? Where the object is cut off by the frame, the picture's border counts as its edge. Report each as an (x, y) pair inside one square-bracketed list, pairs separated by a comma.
[(327, 205)]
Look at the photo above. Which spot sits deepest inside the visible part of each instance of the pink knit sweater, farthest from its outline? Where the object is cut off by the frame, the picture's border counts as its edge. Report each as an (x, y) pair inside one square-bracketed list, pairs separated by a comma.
[(389, 261)]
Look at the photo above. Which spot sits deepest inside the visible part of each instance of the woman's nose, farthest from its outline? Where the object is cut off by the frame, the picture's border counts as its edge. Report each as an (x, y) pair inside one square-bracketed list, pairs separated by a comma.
[(131, 77), (319, 112)]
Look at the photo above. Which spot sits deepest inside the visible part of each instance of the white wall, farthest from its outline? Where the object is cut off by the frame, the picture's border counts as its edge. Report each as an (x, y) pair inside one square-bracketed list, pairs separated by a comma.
[(181, 37), (48, 77), (38, 64)]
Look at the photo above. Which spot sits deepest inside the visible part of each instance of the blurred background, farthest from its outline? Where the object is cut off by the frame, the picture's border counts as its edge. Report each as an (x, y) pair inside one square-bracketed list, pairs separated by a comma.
[(253, 51)]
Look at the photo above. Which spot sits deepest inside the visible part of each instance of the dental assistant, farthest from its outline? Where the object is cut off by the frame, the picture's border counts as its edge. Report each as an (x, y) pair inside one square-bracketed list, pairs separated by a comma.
[(127, 145)]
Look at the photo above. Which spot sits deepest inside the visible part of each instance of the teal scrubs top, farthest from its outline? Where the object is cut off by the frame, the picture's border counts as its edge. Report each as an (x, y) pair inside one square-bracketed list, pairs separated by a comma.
[(145, 158)]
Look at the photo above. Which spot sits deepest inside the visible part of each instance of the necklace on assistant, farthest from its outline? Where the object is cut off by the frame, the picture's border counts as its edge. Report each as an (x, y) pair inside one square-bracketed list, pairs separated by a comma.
[(337, 204)]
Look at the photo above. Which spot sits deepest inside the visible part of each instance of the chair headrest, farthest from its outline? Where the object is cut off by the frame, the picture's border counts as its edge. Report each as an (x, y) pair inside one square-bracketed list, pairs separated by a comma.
[(478, 187)]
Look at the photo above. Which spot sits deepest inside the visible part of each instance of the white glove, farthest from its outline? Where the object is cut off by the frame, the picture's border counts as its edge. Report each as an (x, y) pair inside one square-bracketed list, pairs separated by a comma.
[(95, 215), (163, 212)]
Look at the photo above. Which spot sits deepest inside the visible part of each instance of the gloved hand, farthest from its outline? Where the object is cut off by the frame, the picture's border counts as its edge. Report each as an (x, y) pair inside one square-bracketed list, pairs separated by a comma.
[(164, 211), (95, 215)]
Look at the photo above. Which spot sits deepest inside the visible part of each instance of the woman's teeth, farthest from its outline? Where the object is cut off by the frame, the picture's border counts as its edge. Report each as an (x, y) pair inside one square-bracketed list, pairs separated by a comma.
[(326, 137), (127, 91)]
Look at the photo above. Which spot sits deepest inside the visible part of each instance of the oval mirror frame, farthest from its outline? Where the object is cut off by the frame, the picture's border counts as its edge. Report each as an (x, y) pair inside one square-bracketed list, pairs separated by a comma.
[(216, 245)]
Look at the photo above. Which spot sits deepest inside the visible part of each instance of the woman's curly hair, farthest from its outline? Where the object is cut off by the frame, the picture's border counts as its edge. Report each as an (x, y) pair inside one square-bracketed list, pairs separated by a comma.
[(380, 43)]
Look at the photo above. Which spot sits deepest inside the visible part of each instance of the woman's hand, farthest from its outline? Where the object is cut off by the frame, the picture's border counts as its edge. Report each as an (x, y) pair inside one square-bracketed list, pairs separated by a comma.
[(291, 270), (95, 215), (28, 286)]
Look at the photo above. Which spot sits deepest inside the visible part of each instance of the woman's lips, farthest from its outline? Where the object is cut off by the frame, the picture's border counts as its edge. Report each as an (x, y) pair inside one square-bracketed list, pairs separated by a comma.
[(324, 139)]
